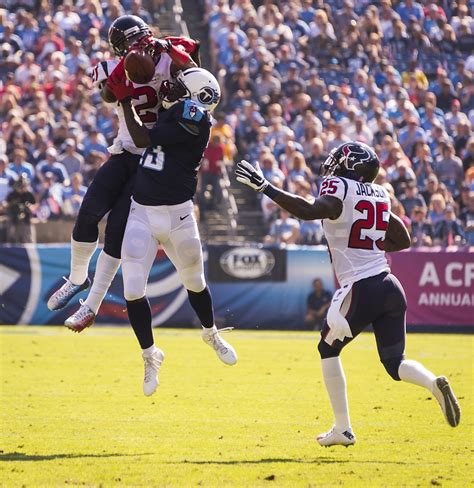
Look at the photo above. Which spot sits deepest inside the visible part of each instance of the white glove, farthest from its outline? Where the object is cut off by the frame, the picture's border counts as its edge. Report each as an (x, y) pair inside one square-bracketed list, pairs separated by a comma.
[(251, 175)]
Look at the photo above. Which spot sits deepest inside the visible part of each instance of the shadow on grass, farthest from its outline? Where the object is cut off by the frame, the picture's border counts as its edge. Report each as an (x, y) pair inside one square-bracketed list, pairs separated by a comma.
[(21, 456), (319, 460)]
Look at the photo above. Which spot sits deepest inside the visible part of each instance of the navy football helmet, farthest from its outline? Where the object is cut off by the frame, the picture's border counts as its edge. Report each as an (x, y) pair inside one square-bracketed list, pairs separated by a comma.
[(354, 160), (126, 31)]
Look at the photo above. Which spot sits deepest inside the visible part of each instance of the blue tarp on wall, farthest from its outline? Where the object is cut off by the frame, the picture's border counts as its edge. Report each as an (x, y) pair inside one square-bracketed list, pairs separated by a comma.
[(29, 274)]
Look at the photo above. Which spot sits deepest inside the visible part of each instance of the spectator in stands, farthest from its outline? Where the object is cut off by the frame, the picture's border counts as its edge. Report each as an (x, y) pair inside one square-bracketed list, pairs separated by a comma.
[(421, 229), (51, 165), (410, 135), (211, 170), (411, 198), (20, 166), (284, 230), (20, 206), (449, 231), (7, 177), (467, 219), (72, 196), (70, 158), (49, 198), (317, 304), (448, 168), (436, 209)]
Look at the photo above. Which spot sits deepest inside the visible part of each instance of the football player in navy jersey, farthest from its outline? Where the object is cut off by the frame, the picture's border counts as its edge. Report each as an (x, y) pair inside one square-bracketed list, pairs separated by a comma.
[(359, 228), (111, 188), (161, 212)]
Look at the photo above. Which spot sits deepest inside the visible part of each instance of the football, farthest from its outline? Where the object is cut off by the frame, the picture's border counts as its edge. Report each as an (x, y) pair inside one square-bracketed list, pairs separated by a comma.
[(140, 67)]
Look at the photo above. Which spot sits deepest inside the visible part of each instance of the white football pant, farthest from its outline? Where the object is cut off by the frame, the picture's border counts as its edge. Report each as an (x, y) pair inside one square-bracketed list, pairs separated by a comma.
[(173, 227)]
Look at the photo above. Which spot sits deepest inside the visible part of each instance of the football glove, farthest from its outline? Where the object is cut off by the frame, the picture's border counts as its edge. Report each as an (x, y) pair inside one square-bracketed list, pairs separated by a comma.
[(118, 84), (251, 175), (152, 45)]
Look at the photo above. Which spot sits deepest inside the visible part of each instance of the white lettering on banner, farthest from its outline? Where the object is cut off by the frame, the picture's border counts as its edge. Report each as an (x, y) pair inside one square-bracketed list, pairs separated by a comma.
[(446, 299), (429, 275), (453, 275), (450, 280), (469, 274)]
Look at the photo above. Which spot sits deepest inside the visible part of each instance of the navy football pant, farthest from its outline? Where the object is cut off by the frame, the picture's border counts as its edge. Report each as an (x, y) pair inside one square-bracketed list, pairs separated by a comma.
[(379, 300), (110, 191)]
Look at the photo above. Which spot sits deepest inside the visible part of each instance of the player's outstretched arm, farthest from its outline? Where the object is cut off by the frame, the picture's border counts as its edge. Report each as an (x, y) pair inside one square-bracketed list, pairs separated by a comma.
[(397, 237), (138, 132), (324, 207)]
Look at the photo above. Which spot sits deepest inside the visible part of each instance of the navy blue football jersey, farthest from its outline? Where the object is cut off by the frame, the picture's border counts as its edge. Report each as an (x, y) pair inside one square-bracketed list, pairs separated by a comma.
[(167, 174)]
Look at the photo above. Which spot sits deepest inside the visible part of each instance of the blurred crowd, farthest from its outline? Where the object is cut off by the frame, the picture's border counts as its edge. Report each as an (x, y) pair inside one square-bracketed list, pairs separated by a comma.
[(302, 76), (54, 132), (299, 77)]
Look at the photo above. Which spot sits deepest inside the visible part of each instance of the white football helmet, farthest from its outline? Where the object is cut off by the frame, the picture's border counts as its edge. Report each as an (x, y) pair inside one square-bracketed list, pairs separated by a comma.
[(195, 84)]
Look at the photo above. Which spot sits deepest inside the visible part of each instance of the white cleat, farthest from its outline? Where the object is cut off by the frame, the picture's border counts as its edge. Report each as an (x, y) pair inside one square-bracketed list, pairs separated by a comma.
[(225, 352), (447, 400), (84, 317), (335, 438), (152, 366), (61, 297)]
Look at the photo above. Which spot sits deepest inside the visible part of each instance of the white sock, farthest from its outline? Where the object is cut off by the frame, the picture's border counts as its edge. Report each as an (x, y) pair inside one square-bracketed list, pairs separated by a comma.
[(335, 382), (149, 351), (81, 253), (105, 271), (414, 372)]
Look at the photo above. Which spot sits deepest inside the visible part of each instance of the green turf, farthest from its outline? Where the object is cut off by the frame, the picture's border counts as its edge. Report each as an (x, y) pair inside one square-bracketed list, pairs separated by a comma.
[(73, 413)]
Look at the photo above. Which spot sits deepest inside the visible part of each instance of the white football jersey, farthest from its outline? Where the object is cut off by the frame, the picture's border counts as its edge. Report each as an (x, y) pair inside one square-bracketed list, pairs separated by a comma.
[(356, 238), (145, 100)]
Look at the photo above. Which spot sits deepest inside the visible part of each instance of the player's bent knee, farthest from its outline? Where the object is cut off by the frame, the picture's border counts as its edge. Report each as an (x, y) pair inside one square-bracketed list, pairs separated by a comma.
[(134, 281), (392, 365), (193, 279), (190, 253), (133, 288), (86, 228), (326, 351)]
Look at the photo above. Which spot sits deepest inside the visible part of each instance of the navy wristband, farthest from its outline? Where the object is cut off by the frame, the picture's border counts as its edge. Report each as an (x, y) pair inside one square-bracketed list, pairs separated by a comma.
[(271, 191)]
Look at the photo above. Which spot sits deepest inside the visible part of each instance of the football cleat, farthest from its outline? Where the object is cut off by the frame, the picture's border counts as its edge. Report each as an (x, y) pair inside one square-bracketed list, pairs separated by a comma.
[(84, 317), (60, 298), (225, 352), (447, 400), (335, 438), (152, 366)]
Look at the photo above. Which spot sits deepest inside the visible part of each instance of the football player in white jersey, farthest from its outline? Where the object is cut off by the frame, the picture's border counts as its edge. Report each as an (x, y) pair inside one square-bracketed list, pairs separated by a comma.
[(359, 228), (110, 190)]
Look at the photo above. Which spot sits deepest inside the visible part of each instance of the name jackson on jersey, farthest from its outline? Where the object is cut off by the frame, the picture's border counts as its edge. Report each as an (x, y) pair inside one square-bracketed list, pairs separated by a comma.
[(356, 238)]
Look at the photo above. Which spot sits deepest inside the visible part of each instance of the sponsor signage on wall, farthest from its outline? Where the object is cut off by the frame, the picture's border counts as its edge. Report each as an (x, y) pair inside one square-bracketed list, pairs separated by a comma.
[(235, 264), (439, 286)]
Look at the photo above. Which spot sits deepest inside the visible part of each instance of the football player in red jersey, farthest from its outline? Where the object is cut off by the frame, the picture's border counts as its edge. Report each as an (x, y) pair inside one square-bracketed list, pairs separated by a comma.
[(359, 228), (110, 190)]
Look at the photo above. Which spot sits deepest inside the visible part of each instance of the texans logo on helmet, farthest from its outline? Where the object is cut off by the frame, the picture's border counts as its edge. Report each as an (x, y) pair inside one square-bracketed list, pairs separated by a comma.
[(354, 155)]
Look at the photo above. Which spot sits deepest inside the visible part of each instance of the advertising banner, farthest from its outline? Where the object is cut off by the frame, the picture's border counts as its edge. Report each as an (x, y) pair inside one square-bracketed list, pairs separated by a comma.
[(438, 285), (234, 264), (252, 287)]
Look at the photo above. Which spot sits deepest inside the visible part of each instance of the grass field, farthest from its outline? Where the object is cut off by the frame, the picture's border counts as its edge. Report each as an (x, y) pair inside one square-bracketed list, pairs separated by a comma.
[(73, 413)]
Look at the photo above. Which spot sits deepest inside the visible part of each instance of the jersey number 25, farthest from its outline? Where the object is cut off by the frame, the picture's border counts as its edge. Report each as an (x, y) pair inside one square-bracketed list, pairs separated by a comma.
[(375, 218)]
